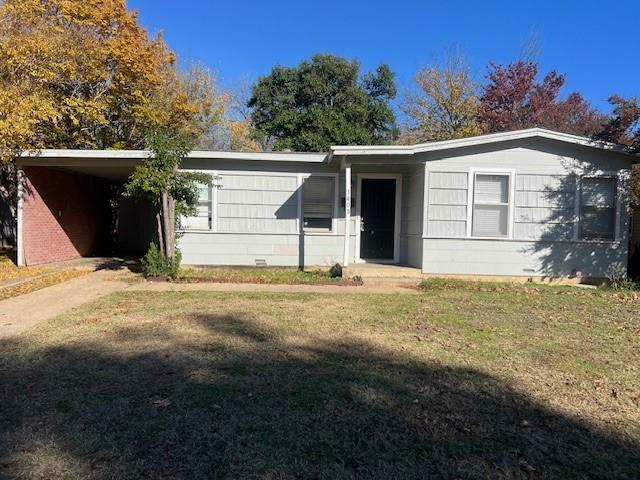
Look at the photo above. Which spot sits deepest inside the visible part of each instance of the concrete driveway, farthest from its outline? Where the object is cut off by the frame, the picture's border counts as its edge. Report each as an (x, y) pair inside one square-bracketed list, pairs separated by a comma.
[(20, 313)]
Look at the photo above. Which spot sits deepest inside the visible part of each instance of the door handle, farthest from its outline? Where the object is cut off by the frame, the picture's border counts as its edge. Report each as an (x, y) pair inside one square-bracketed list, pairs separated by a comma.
[(362, 224)]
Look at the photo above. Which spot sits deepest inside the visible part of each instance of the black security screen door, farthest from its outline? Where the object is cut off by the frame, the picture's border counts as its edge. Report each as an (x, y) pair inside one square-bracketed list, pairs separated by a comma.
[(377, 214)]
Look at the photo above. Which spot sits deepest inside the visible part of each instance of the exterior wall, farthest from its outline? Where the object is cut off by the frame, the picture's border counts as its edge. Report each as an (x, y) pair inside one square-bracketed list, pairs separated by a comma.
[(544, 214), (204, 248), (257, 218), (62, 216), (412, 217)]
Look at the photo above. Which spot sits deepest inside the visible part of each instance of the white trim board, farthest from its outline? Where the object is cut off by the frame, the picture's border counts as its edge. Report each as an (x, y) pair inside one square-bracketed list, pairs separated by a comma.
[(20, 219), (397, 219), (347, 150)]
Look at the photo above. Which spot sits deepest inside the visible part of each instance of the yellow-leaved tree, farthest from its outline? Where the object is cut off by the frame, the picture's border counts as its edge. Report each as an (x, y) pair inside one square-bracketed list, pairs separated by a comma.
[(85, 74), (444, 105)]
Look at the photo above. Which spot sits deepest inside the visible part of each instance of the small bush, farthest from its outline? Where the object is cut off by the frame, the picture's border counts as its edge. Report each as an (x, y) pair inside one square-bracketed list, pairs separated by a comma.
[(617, 279), (156, 264), (335, 271)]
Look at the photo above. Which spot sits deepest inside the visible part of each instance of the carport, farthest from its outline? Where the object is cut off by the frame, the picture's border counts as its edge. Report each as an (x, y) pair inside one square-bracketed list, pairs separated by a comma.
[(70, 206)]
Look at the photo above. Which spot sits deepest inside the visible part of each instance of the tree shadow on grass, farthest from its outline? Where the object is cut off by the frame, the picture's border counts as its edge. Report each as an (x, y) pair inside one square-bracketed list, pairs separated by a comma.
[(237, 401)]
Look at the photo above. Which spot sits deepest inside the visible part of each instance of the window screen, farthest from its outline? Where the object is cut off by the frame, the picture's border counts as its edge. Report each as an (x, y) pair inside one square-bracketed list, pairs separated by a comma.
[(318, 196), (202, 220), (598, 208), (490, 206)]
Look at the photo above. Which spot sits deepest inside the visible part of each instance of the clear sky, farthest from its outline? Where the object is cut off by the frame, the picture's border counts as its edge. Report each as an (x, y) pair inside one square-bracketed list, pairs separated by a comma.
[(596, 43)]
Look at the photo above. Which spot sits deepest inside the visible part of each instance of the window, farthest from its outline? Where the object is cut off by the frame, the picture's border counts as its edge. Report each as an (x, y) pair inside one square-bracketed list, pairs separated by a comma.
[(203, 219), (318, 197), (598, 208), (490, 205)]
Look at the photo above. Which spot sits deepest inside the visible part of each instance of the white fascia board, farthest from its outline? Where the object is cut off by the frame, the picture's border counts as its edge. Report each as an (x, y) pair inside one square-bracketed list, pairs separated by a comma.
[(478, 140), (348, 150), (196, 154), (260, 156), (519, 135), (86, 154)]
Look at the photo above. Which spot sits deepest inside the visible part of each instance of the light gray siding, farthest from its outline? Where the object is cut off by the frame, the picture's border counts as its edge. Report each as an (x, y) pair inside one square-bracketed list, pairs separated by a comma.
[(412, 214), (257, 220), (209, 248), (544, 207), (257, 217), (447, 203), (257, 213), (250, 203), (544, 215), (520, 258)]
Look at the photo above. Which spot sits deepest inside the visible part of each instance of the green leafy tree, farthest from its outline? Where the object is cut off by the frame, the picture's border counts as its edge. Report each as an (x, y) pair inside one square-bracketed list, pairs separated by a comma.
[(174, 193), (323, 102)]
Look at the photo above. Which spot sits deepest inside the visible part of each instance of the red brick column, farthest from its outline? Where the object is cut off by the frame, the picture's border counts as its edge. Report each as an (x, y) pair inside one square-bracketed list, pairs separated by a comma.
[(62, 216)]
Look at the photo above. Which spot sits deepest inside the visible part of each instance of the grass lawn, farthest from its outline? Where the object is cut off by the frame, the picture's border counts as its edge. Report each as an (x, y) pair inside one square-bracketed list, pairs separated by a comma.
[(268, 275), (454, 383)]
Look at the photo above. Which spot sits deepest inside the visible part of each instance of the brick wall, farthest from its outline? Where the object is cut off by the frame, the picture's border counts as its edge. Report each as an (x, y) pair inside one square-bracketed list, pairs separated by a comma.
[(63, 216)]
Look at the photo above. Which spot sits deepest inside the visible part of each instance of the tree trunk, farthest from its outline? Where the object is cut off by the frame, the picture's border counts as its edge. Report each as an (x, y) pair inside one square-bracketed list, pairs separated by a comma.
[(167, 228), (160, 231), (171, 230)]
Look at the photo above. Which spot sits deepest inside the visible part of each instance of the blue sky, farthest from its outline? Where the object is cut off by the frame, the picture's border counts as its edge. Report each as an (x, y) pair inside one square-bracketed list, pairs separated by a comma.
[(595, 43)]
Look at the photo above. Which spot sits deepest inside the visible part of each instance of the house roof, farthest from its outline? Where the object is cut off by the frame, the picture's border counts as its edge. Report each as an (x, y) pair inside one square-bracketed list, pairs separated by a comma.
[(473, 141), (72, 157)]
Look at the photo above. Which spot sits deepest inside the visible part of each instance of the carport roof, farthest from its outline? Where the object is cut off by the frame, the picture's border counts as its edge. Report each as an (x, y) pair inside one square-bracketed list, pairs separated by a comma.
[(29, 158)]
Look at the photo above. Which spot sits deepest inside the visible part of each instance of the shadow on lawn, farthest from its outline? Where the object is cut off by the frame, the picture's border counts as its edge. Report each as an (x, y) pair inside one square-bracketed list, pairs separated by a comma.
[(242, 404)]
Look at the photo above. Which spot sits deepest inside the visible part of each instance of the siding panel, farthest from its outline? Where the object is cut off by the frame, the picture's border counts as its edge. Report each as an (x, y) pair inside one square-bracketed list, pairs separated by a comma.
[(447, 211), (447, 197), (273, 183)]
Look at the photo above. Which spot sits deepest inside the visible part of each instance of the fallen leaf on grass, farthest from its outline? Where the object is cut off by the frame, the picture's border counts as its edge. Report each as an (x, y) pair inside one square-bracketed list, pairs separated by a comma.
[(162, 403)]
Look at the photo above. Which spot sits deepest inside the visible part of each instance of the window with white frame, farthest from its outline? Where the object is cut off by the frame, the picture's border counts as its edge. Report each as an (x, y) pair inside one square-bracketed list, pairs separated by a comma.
[(490, 210), (203, 219), (318, 203), (598, 198)]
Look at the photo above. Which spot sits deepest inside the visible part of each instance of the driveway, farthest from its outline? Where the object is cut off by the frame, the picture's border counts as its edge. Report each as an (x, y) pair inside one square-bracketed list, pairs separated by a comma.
[(20, 313)]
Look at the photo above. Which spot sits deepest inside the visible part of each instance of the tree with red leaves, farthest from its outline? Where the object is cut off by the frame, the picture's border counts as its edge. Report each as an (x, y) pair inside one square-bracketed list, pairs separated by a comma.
[(513, 99), (623, 126)]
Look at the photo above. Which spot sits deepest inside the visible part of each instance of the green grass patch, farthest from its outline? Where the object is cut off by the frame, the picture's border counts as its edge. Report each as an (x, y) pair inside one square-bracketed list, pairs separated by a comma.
[(469, 382), (263, 275)]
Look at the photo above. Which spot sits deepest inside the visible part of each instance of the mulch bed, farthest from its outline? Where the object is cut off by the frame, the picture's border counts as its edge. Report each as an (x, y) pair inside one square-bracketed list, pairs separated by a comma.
[(344, 282)]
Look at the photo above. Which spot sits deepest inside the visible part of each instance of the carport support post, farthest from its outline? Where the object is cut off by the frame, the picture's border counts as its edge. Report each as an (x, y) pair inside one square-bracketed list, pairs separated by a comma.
[(347, 213), (19, 219)]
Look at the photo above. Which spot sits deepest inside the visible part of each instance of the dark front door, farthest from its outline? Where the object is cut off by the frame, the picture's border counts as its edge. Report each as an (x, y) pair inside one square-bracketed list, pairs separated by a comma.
[(377, 215)]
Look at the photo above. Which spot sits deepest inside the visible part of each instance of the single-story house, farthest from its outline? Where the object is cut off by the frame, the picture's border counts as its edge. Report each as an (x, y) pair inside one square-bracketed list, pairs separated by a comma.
[(532, 203)]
